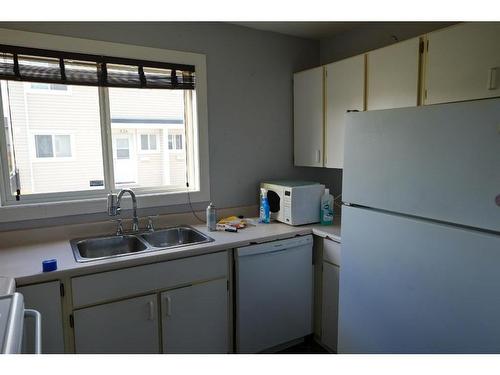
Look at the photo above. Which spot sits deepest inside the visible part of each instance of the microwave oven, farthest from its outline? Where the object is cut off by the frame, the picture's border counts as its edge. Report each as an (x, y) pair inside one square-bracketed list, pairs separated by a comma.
[(294, 202)]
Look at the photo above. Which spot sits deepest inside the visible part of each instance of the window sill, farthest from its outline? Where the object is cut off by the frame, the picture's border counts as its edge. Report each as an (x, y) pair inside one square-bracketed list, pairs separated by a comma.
[(34, 211)]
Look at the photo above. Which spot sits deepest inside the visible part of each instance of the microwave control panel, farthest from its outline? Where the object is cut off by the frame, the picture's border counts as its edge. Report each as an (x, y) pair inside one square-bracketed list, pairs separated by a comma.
[(287, 206)]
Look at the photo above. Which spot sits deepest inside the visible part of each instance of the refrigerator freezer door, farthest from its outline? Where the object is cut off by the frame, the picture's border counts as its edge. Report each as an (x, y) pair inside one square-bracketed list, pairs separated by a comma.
[(412, 286), (440, 162)]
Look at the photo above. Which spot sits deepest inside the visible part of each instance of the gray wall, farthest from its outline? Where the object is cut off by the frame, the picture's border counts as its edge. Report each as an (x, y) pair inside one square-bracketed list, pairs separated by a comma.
[(372, 35), (249, 95), (249, 92)]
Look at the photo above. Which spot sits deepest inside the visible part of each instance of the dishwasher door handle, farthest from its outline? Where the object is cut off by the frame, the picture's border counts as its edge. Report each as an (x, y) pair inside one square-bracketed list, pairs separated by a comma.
[(275, 251), (38, 328)]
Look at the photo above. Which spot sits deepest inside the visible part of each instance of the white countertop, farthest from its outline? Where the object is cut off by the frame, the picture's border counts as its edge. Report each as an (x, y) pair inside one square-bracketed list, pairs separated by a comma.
[(24, 262)]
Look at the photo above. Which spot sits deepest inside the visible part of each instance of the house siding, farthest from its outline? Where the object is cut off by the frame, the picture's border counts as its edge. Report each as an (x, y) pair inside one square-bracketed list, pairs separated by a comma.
[(76, 113)]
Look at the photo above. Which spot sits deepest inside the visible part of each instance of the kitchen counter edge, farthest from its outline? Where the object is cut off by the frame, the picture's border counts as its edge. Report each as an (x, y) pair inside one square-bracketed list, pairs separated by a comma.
[(27, 274)]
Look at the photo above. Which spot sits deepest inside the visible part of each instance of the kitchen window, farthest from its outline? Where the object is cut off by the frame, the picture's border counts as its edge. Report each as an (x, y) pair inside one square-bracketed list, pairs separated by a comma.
[(109, 129)]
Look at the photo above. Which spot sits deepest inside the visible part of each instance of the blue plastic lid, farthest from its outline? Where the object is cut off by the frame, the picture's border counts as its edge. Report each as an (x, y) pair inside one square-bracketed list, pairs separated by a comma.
[(49, 265)]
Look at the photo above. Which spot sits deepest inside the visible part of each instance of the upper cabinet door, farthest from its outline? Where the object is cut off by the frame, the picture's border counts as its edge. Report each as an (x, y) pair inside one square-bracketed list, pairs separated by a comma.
[(463, 63), (308, 117), (393, 75), (345, 86)]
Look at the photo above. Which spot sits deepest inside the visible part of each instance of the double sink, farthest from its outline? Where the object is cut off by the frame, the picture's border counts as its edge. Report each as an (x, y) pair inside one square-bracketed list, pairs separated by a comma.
[(91, 249)]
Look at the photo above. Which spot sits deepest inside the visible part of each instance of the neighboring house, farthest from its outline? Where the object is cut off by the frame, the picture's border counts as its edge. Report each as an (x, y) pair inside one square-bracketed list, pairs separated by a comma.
[(57, 136)]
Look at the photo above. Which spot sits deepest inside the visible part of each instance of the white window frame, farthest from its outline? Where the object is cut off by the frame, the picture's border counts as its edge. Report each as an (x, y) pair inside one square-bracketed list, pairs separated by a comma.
[(140, 133), (94, 201)]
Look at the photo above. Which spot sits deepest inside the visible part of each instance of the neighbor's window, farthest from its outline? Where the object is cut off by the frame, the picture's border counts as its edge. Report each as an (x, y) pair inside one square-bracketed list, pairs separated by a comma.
[(53, 146), (48, 87), (149, 142), (109, 131), (175, 142)]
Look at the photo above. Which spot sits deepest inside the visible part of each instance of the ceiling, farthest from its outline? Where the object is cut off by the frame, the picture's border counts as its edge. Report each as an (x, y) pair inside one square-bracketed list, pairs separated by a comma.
[(309, 30), (323, 30)]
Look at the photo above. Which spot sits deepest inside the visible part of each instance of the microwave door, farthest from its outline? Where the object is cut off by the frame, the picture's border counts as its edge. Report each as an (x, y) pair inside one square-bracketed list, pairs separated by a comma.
[(274, 200)]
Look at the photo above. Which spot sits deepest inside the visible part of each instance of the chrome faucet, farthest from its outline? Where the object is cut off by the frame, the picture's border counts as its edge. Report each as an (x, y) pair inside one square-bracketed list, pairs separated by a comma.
[(114, 208)]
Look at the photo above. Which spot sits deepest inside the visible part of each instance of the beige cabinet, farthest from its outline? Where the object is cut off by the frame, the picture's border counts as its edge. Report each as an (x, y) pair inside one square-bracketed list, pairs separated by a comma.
[(177, 306), (308, 118), (393, 76), (463, 63), (128, 326), (344, 91), (46, 299), (330, 294), (195, 319), (458, 63)]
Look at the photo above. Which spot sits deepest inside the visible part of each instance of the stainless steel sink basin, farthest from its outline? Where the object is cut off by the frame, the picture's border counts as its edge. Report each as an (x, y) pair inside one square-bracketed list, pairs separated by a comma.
[(91, 249), (106, 247), (174, 237)]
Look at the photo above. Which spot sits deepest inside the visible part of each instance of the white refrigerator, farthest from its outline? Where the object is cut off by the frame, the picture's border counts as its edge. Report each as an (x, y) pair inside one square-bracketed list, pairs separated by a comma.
[(421, 230)]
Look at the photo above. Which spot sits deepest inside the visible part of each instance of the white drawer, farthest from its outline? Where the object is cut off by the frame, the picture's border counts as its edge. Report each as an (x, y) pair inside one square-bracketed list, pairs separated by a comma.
[(101, 287), (331, 251)]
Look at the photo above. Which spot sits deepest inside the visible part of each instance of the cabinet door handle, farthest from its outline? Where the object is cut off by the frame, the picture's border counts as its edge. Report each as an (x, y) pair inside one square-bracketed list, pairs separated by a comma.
[(168, 306), (492, 79), (151, 315), (318, 156)]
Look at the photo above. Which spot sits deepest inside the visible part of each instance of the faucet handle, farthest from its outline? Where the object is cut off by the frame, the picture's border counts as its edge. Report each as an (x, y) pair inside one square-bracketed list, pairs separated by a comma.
[(150, 227), (113, 208), (119, 230)]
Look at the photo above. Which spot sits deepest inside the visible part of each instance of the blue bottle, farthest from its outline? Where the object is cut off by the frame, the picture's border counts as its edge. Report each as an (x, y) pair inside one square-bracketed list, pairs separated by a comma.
[(265, 213)]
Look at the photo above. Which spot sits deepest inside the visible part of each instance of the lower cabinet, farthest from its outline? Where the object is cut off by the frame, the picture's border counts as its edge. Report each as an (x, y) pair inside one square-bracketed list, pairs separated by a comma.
[(330, 315), (46, 299), (176, 306), (330, 293), (128, 326), (195, 318)]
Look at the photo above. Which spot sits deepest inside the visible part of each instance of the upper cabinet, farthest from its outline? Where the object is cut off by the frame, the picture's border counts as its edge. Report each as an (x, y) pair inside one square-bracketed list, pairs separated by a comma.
[(463, 63), (393, 76), (308, 117), (344, 91)]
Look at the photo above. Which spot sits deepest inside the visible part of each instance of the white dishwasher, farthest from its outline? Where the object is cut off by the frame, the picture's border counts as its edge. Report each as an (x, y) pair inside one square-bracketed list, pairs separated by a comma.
[(274, 293)]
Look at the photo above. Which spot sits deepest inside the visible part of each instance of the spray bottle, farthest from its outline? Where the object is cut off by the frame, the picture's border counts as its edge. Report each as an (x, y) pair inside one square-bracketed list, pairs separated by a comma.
[(265, 213)]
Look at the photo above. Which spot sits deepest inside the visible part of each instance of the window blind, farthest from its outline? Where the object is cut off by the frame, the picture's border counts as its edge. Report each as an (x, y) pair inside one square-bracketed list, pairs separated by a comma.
[(39, 65)]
